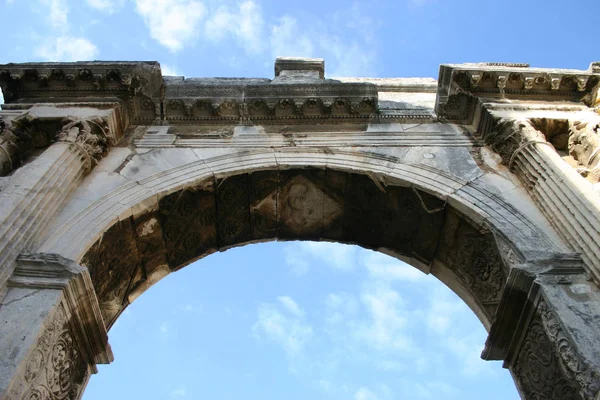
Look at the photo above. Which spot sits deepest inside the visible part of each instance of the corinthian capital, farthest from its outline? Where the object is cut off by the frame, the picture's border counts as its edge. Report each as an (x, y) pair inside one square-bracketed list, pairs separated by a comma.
[(16, 140), (92, 137), (511, 136)]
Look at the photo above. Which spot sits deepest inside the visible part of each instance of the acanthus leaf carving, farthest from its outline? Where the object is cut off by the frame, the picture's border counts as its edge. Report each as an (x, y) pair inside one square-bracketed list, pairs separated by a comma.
[(16, 141), (55, 368), (92, 137), (584, 147)]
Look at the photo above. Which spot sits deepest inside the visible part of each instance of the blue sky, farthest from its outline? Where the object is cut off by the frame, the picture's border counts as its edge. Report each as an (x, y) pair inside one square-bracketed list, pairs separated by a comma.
[(300, 320), (297, 321)]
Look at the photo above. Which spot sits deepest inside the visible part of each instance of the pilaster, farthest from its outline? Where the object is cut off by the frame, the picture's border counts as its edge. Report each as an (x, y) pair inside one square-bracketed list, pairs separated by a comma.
[(52, 331), (547, 329), (37, 190), (559, 191)]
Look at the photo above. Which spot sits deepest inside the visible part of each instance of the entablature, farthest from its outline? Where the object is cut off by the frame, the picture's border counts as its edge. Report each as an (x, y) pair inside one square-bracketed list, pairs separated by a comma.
[(461, 87)]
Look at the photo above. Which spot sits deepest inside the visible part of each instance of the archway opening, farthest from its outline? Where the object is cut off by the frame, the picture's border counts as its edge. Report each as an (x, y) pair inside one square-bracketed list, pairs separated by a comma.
[(217, 213), (299, 320)]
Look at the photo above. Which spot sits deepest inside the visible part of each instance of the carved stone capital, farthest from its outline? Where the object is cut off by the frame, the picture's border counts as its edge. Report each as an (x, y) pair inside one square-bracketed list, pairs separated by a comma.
[(16, 141), (510, 137), (92, 138)]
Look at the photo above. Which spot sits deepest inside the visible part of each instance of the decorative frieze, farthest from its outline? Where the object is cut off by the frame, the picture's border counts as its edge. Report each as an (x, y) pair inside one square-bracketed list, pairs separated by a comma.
[(263, 101)]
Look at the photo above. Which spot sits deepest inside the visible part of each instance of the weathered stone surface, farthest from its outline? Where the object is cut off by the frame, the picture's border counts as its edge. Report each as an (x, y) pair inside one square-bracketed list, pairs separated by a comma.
[(476, 179)]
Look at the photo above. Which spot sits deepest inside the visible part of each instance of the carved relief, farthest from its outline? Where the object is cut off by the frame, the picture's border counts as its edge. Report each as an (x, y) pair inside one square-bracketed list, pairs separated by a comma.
[(111, 270), (510, 137), (145, 109), (233, 210), (458, 107), (55, 368), (537, 370), (189, 224), (480, 267), (264, 197), (548, 365), (584, 147), (17, 141), (573, 366), (91, 137), (176, 108)]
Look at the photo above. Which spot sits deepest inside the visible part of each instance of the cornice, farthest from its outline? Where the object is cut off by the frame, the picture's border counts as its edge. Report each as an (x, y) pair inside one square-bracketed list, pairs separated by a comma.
[(267, 101), (462, 86), (138, 85)]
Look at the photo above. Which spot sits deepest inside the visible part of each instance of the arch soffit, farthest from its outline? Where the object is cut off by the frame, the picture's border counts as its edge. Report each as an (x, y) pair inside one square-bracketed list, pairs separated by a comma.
[(470, 199), (512, 237)]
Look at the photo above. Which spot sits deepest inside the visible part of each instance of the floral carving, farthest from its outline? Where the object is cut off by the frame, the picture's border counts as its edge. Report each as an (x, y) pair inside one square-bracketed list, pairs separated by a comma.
[(584, 147), (548, 365), (537, 368), (55, 369), (16, 142), (91, 137), (572, 365)]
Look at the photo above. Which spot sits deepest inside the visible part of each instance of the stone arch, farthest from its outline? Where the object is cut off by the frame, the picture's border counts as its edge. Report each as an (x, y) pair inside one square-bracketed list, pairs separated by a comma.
[(430, 219), (543, 320)]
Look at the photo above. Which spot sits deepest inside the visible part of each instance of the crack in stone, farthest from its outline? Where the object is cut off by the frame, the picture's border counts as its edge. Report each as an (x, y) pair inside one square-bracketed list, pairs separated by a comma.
[(21, 298)]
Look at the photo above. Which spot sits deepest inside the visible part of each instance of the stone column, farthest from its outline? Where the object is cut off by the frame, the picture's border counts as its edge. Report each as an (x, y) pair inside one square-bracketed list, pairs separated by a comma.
[(547, 331), (560, 192), (52, 331), (37, 190)]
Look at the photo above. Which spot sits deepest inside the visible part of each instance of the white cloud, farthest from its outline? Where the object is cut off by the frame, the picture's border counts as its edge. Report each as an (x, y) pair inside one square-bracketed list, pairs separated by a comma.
[(107, 6), (443, 310), (172, 23), (290, 305), (468, 349), (57, 14), (386, 329), (58, 44), (288, 328), (341, 313), (365, 394), (386, 268), (296, 260), (181, 392), (169, 70), (245, 25), (334, 255), (432, 390), (176, 23), (164, 328), (288, 39), (66, 48)]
